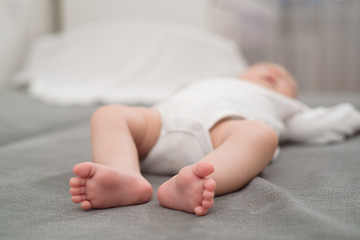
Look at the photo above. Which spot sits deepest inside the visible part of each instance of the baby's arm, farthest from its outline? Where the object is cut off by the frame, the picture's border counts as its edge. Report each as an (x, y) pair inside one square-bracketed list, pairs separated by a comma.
[(323, 124)]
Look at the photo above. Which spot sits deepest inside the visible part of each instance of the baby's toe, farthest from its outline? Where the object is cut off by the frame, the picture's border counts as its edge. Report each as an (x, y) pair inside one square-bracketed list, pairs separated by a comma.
[(208, 203), (78, 198), (86, 205), (77, 181), (203, 169), (85, 169), (77, 190), (208, 195), (209, 184), (200, 211)]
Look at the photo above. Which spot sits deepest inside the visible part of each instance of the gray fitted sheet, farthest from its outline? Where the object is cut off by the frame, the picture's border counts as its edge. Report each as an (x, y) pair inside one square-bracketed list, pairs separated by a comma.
[(308, 193)]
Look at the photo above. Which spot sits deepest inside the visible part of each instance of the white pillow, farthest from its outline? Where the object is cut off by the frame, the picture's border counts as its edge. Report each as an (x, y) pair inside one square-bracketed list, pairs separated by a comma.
[(125, 61)]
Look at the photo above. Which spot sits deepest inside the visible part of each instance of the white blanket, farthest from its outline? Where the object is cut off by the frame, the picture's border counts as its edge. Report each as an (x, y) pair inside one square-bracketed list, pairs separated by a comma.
[(125, 61)]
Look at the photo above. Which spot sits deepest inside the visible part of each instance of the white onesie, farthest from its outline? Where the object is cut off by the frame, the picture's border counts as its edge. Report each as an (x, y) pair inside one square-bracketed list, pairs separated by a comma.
[(188, 116)]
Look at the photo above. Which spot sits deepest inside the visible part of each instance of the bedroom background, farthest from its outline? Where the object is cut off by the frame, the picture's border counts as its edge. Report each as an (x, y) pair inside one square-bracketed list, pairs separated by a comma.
[(318, 40)]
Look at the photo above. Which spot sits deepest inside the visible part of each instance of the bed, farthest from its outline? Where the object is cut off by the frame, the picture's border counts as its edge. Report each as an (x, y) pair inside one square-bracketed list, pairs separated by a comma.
[(307, 193)]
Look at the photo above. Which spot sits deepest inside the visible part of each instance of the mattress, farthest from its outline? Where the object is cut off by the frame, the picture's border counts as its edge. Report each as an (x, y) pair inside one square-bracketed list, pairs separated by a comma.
[(309, 192)]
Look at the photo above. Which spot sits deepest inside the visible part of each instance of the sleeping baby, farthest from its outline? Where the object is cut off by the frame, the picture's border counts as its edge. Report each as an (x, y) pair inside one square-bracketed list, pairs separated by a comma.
[(214, 136)]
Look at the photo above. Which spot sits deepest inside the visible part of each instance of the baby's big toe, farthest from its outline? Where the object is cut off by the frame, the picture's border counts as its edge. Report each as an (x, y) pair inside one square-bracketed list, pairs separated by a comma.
[(203, 169), (84, 170)]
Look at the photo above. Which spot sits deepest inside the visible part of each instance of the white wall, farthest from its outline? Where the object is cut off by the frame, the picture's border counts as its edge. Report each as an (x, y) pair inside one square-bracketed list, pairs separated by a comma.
[(21, 22), (191, 12)]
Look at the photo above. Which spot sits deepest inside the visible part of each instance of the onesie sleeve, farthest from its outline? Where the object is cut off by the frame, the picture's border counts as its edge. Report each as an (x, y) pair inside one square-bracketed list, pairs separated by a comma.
[(323, 124)]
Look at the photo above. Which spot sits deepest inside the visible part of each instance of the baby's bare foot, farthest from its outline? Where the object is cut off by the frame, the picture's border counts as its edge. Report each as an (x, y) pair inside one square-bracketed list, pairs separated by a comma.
[(99, 186), (190, 190)]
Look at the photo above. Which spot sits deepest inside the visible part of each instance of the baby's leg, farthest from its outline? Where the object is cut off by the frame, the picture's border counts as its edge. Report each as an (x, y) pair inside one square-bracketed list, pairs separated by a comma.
[(120, 136), (242, 150)]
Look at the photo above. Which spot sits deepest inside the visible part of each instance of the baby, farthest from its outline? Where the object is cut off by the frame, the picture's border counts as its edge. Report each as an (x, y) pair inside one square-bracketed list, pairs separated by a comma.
[(214, 135)]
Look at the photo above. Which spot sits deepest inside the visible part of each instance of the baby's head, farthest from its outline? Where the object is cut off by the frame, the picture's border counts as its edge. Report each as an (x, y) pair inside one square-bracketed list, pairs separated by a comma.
[(272, 76)]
